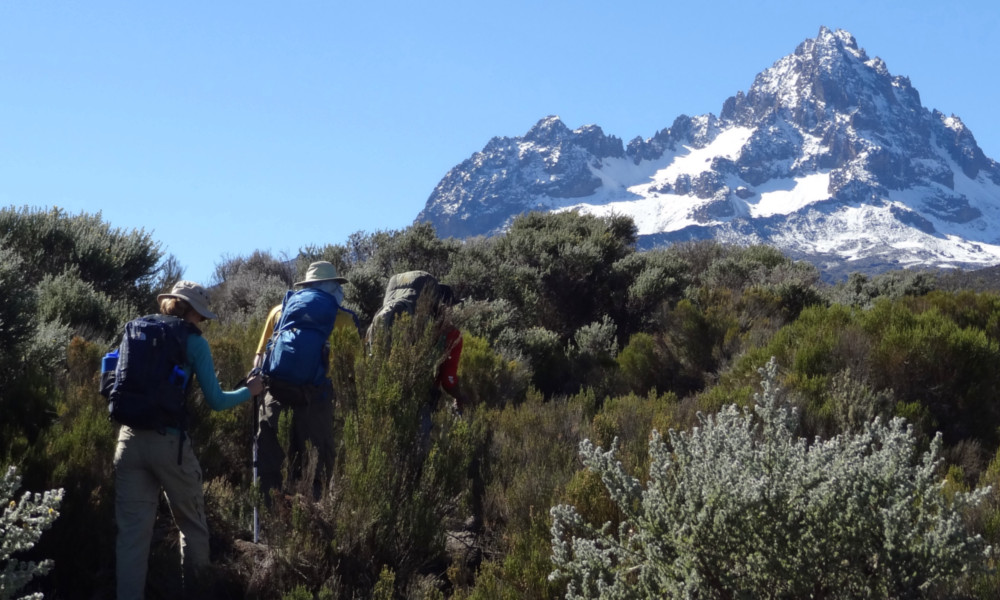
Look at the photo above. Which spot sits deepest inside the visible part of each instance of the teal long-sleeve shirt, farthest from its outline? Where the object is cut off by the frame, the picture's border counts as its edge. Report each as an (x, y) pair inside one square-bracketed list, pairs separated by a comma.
[(199, 361)]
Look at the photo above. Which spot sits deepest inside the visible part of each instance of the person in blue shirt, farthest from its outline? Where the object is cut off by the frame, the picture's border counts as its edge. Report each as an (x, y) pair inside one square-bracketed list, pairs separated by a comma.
[(150, 460)]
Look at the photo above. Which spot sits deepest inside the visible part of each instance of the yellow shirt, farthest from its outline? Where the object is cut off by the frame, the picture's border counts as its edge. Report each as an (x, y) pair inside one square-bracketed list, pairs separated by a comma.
[(344, 319)]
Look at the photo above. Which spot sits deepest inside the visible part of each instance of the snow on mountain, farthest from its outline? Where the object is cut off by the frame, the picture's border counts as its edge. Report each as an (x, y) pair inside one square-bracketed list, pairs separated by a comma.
[(827, 156)]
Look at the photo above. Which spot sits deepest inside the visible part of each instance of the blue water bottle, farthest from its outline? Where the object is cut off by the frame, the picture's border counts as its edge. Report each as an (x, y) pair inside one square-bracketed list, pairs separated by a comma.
[(108, 365), (110, 361)]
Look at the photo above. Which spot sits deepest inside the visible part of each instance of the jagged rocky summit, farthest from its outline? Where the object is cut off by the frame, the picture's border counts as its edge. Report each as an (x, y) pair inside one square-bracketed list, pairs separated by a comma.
[(828, 157)]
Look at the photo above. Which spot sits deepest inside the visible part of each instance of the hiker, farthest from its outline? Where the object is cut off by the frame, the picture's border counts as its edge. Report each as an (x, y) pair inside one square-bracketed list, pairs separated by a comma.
[(293, 355), (153, 451), (404, 292), (407, 292)]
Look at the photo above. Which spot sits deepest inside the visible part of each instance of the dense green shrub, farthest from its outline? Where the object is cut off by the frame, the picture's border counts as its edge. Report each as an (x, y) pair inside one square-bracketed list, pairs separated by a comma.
[(742, 507), (592, 353), (489, 319), (656, 277), (69, 300), (489, 379), (546, 353), (862, 291), (532, 457), (60, 273), (75, 452), (643, 364), (966, 308), (120, 264), (929, 358), (559, 272), (474, 270), (16, 331), (19, 302), (555, 268), (906, 347), (698, 336)]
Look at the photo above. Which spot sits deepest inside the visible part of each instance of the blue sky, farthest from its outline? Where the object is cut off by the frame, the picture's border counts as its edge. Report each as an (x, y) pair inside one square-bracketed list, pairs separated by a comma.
[(226, 127)]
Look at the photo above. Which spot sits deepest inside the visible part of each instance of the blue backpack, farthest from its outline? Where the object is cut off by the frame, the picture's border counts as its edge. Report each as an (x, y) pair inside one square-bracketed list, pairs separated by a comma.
[(147, 387), (296, 352)]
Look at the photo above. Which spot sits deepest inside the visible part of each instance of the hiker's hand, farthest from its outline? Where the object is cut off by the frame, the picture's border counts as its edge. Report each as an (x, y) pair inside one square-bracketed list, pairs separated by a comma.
[(256, 385)]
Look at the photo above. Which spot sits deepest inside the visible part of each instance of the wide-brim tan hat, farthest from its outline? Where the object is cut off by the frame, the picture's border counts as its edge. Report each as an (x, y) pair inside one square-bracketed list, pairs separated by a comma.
[(194, 294), (322, 271)]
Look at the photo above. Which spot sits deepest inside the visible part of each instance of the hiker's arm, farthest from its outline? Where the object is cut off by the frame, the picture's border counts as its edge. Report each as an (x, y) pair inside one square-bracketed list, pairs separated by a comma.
[(200, 359)]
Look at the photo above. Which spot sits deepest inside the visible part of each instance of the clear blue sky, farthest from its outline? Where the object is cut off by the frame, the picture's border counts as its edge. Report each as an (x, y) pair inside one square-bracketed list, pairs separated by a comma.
[(223, 127)]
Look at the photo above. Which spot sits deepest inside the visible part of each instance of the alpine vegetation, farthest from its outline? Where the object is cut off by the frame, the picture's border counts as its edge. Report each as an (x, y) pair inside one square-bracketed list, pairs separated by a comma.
[(743, 507), (21, 525)]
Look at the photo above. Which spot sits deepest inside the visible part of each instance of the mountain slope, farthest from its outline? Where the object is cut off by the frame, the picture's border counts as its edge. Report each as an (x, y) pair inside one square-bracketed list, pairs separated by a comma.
[(827, 156)]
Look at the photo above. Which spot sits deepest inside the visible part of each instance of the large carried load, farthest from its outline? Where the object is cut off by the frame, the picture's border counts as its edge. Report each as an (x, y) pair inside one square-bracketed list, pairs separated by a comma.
[(296, 353), (401, 296)]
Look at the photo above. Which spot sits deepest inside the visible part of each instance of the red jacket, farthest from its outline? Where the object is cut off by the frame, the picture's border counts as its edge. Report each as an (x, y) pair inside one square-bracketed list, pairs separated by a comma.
[(447, 376)]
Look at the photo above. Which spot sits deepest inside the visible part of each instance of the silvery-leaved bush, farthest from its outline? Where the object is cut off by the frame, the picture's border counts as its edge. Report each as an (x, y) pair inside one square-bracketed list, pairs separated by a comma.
[(740, 507), (21, 525)]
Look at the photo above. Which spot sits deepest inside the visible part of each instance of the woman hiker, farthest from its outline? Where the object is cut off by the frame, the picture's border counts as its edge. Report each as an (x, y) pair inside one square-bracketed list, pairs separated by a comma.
[(155, 454)]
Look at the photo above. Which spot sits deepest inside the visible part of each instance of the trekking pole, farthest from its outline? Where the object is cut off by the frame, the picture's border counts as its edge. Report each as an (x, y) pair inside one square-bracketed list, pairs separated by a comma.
[(256, 510), (253, 423)]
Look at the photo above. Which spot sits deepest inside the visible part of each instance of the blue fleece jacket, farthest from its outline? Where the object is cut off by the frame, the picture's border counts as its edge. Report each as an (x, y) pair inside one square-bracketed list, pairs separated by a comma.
[(199, 358)]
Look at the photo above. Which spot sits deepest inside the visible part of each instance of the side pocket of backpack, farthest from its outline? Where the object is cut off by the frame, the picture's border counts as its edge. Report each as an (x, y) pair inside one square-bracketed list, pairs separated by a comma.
[(107, 383), (109, 365)]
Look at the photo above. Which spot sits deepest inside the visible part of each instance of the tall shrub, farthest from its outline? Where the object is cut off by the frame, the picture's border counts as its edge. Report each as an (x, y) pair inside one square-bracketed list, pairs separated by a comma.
[(122, 264)]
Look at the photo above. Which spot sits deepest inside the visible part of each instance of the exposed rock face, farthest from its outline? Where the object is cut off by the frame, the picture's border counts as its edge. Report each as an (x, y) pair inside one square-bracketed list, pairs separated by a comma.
[(826, 155)]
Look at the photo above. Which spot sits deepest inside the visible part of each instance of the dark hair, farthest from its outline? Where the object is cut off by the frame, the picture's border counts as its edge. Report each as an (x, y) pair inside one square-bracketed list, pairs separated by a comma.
[(446, 296)]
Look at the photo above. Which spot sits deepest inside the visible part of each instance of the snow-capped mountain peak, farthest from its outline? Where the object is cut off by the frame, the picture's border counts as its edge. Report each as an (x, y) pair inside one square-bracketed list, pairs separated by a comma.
[(827, 156)]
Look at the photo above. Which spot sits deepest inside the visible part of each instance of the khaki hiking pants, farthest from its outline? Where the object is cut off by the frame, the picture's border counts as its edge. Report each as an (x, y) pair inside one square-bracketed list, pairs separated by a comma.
[(311, 425), (145, 463)]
